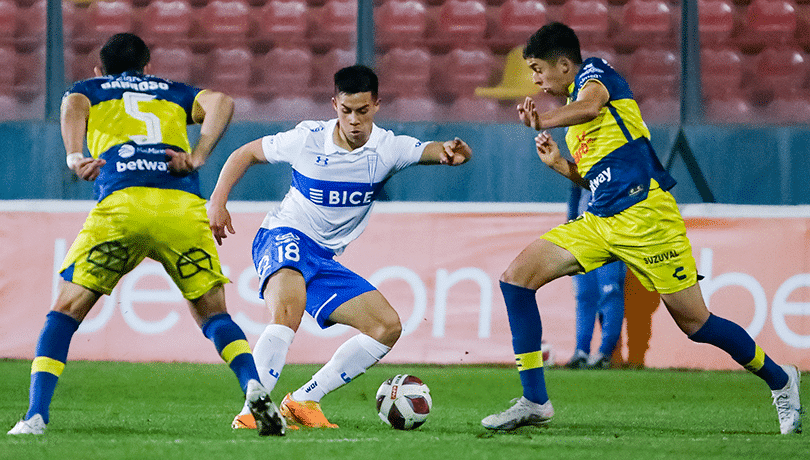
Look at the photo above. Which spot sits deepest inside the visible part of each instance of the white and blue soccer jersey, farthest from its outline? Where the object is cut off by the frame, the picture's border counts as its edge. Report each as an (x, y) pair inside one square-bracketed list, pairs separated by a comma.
[(333, 189)]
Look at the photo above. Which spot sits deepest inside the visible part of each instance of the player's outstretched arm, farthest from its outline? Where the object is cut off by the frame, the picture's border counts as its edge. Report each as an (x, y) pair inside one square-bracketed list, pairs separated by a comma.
[(590, 100), (213, 110), (232, 171), (453, 153), (73, 121), (549, 153)]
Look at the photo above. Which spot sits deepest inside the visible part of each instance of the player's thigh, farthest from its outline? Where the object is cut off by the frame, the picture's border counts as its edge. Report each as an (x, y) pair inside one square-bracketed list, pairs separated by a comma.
[(110, 245), (650, 238), (182, 242), (371, 314)]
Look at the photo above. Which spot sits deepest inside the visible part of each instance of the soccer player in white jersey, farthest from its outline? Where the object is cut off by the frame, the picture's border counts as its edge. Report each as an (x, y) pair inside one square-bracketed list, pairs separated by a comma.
[(339, 168)]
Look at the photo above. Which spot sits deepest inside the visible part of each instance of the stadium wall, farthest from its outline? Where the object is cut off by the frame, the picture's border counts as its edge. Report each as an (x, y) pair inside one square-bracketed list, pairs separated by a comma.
[(439, 266), (743, 165)]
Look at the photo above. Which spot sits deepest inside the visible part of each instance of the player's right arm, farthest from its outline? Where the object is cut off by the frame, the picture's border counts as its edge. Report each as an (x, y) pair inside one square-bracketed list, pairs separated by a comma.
[(74, 113), (549, 153), (589, 103), (235, 167)]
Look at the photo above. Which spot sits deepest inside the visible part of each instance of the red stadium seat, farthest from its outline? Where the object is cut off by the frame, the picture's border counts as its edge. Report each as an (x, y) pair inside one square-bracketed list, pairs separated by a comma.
[(789, 110), (9, 107), (324, 68), (461, 22), (590, 20), (778, 71), (172, 62), (733, 109), (721, 72), (516, 21), (284, 22), (405, 71), (105, 19), (411, 108), (8, 67), (336, 25), (8, 19), (474, 109), (225, 22), (462, 70), (287, 71), (654, 72), (294, 108), (645, 23), (78, 66), (31, 26), (715, 21), (166, 20), (229, 70), (768, 22), (660, 110), (400, 23)]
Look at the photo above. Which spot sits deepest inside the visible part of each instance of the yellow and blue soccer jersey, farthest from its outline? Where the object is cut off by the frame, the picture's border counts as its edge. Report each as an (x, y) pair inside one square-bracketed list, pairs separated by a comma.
[(133, 119), (613, 151)]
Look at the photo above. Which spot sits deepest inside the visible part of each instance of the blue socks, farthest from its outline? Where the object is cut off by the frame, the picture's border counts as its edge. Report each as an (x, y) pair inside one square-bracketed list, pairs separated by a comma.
[(232, 346), (527, 333), (52, 350), (733, 339)]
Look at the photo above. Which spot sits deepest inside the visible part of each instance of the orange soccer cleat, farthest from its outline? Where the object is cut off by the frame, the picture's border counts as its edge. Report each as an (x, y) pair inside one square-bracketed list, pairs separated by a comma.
[(306, 413)]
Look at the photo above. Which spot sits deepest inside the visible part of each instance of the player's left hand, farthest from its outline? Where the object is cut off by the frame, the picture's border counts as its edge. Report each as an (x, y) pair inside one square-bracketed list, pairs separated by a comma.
[(455, 152), (547, 149), (180, 163)]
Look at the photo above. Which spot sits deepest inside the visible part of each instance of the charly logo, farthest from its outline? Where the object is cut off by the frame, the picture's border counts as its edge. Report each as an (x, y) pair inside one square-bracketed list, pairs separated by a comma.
[(126, 151)]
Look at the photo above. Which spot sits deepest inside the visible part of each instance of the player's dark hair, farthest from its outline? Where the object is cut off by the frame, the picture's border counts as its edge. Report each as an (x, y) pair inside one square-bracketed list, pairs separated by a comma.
[(124, 52), (356, 79), (553, 41)]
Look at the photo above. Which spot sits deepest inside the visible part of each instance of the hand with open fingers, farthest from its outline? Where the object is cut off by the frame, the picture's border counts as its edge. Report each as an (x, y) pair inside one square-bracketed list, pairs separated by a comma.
[(547, 149), (527, 112), (89, 168), (180, 163), (456, 152), (219, 219)]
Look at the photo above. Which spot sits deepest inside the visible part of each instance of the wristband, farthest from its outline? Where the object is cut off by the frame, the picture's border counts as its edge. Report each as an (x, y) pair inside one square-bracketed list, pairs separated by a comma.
[(74, 158)]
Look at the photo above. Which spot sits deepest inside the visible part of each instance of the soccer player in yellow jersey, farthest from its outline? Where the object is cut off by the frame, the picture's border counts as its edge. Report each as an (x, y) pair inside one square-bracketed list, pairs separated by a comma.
[(631, 217), (145, 178)]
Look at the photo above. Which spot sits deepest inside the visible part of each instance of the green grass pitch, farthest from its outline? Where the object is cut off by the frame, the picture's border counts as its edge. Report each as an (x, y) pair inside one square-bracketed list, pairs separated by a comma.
[(110, 410)]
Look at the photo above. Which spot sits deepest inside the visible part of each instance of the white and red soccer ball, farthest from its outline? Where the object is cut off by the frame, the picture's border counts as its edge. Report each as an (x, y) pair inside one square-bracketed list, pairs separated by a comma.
[(404, 402)]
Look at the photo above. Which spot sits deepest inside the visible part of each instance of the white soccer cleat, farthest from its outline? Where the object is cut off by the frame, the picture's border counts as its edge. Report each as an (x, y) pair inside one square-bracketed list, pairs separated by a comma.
[(788, 405), (265, 413), (34, 425), (523, 412)]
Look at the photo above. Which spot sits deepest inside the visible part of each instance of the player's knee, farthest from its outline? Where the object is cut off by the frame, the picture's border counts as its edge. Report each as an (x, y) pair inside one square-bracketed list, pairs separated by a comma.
[(387, 331)]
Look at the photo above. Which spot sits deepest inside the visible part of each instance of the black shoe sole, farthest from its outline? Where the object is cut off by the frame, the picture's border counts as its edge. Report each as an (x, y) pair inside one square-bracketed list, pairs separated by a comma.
[(268, 422)]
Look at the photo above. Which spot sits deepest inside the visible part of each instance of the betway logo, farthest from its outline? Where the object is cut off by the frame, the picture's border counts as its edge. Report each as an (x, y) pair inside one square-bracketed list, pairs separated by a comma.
[(141, 165), (603, 177)]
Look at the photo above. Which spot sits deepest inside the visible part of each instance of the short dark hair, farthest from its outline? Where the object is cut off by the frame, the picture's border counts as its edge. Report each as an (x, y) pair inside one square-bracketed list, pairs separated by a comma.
[(124, 52), (356, 79), (553, 41)]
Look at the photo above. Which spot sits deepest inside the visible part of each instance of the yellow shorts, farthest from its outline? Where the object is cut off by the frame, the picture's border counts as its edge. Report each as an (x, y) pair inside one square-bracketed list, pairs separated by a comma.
[(169, 226), (650, 237)]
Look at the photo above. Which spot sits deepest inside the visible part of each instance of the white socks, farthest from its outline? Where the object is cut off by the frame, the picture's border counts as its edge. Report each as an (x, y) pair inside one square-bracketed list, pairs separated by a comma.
[(350, 360), (270, 354)]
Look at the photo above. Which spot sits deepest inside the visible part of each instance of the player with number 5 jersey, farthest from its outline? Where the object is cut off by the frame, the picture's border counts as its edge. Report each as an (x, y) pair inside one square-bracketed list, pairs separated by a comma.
[(145, 178), (339, 168)]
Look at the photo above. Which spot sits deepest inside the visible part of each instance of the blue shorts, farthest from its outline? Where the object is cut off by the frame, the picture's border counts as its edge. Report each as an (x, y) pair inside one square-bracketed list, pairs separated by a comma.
[(329, 284)]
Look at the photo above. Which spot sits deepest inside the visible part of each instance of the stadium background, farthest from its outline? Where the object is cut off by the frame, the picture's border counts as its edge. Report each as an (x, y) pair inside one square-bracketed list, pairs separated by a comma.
[(727, 103)]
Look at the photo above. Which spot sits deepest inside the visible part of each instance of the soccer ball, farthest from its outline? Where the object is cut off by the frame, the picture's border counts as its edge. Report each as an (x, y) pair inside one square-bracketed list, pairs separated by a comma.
[(404, 402)]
